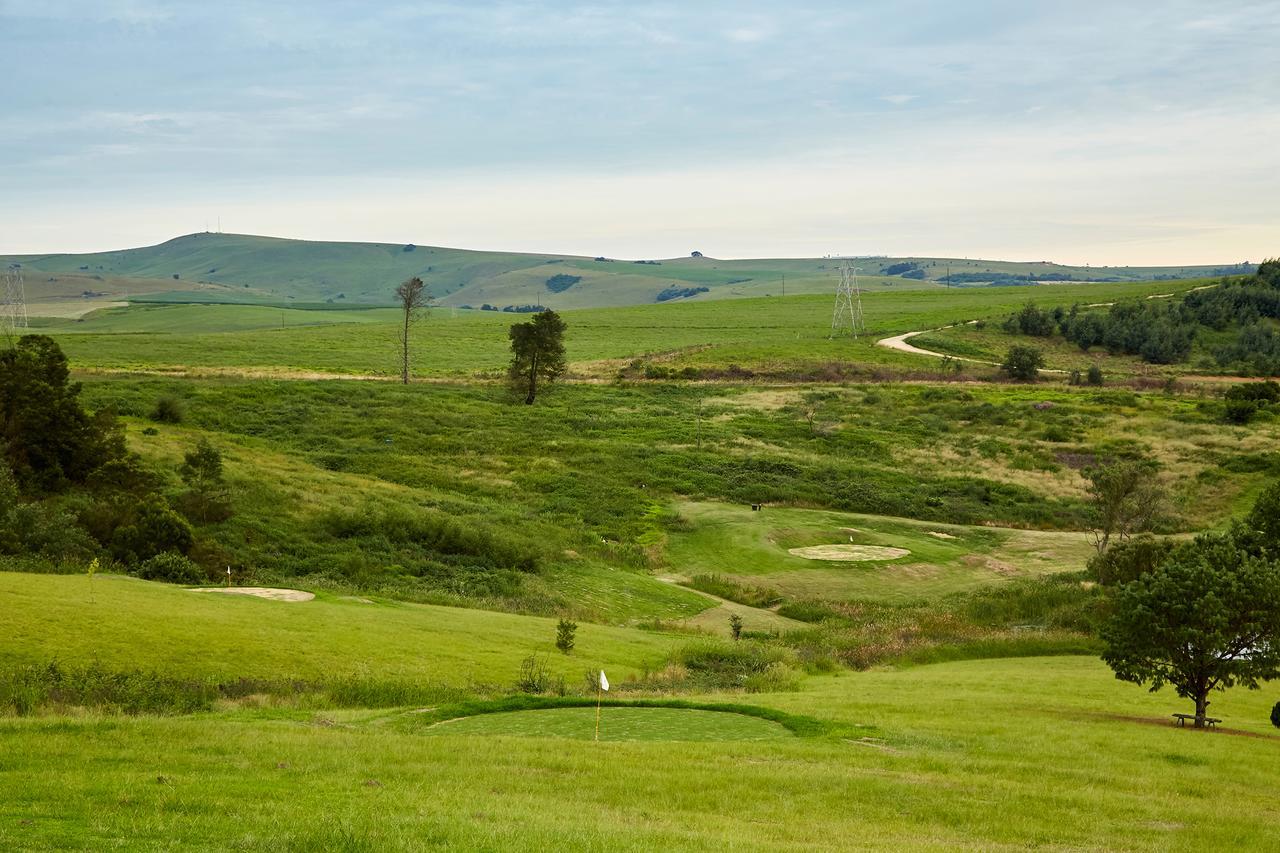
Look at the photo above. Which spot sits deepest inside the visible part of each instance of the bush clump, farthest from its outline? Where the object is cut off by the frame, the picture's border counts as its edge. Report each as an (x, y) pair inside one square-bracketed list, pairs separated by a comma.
[(168, 410), (153, 528), (171, 568), (1023, 363), (747, 664)]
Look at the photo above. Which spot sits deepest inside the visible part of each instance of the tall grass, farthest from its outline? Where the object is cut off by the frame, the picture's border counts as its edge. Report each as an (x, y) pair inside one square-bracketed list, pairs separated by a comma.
[(58, 688)]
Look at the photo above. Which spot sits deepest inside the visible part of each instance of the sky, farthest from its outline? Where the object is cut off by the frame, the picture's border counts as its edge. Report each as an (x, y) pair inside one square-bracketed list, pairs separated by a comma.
[(1085, 132)]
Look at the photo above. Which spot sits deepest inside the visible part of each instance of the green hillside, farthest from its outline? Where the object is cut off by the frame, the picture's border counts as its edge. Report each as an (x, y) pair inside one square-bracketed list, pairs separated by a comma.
[(211, 267)]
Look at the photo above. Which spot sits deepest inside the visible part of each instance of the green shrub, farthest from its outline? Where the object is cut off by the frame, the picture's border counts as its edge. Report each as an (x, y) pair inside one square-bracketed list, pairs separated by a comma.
[(152, 529), (168, 410), (1023, 362), (776, 678), (48, 439), (535, 678), (1275, 715), (565, 635), (171, 568), (39, 529), (1094, 377), (720, 664), (207, 498), (1239, 411), (1259, 392), (1127, 561)]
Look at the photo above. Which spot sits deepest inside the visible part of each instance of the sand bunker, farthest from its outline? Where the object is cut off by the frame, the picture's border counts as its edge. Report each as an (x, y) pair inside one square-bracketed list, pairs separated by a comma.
[(261, 592), (938, 534), (849, 553)]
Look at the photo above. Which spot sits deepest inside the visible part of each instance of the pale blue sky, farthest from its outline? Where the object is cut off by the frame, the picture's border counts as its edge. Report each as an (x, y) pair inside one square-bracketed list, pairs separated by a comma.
[(1103, 132)]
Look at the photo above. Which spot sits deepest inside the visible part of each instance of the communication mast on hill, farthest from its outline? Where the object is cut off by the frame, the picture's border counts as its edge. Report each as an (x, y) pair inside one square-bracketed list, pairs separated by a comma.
[(847, 317), (13, 308)]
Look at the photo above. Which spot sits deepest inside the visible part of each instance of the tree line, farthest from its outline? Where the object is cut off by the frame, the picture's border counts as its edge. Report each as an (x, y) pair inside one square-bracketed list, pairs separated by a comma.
[(1164, 331)]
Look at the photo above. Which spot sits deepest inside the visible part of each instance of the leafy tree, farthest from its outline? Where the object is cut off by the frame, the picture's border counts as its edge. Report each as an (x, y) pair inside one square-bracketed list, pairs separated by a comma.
[(1207, 619), (153, 528), (735, 626), (1260, 533), (207, 498), (1128, 561), (47, 437), (1275, 715), (566, 633), (1031, 321), (412, 296), (1094, 376), (537, 348), (1127, 498), (1023, 362)]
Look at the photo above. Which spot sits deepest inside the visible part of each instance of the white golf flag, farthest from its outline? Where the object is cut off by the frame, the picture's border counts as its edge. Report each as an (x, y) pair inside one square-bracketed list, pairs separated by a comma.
[(604, 682)]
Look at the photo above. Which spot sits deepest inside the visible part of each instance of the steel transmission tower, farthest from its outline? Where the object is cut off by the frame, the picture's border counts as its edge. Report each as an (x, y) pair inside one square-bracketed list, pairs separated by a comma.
[(13, 308), (847, 317)]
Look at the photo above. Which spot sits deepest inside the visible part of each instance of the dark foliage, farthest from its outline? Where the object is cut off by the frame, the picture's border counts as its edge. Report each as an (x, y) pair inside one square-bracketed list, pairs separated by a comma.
[(1023, 362), (48, 439), (537, 349), (168, 410), (674, 292), (1128, 561), (561, 282), (151, 528)]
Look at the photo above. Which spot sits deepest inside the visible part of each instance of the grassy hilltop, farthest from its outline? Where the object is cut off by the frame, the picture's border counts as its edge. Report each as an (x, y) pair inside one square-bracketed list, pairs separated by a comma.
[(211, 267)]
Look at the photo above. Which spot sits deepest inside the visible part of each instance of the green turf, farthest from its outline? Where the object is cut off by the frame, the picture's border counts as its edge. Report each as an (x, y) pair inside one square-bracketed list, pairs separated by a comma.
[(616, 724), (124, 623), (983, 755)]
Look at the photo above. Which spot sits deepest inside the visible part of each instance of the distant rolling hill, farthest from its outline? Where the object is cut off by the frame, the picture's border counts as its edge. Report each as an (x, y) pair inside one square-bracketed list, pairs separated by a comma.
[(211, 267)]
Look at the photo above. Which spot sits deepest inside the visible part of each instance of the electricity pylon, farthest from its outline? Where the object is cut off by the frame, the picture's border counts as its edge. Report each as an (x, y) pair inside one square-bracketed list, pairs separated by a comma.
[(847, 317)]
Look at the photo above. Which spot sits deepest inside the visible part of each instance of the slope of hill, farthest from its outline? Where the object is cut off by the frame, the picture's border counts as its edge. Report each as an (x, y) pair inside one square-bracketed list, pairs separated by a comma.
[(209, 267)]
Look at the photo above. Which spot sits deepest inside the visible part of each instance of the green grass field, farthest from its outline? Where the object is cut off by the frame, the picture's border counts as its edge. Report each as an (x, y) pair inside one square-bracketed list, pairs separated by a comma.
[(768, 336), (949, 698), (974, 755), (122, 623)]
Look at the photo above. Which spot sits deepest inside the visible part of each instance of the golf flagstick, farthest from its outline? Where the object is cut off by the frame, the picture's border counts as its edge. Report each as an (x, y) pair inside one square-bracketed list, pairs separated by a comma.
[(601, 686)]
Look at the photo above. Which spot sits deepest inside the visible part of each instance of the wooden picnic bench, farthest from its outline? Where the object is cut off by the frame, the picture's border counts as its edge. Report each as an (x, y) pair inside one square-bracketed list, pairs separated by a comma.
[(1182, 719)]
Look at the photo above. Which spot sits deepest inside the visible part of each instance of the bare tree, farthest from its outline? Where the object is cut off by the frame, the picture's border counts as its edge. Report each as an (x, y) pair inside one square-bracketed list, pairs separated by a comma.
[(412, 295)]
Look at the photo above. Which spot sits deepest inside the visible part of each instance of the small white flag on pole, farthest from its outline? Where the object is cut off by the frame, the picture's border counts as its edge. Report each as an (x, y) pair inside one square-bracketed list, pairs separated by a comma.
[(604, 682)]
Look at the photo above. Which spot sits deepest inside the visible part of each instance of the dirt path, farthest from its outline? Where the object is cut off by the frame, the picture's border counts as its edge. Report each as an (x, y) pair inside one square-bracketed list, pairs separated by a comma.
[(899, 343)]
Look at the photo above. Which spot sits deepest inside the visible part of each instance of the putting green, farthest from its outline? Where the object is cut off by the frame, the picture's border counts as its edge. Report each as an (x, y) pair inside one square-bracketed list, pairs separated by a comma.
[(617, 724)]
